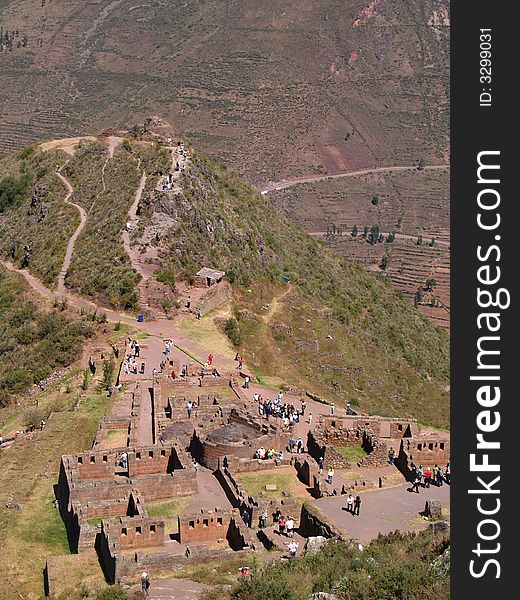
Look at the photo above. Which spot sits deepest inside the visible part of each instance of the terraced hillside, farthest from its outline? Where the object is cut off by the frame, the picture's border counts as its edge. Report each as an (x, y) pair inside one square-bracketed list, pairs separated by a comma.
[(275, 89), (334, 329), (410, 204)]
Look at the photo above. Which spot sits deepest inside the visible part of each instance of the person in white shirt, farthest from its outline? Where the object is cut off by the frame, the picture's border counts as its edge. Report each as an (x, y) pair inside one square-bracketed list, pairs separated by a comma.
[(289, 525), (293, 548)]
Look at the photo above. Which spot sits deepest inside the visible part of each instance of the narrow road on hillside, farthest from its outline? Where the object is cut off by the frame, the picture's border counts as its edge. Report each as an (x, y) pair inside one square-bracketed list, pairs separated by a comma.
[(287, 183), (70, 245), (398, 236)]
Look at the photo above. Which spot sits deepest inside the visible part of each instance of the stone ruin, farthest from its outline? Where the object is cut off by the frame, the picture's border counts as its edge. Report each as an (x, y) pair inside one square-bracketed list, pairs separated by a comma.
[(104, 500)]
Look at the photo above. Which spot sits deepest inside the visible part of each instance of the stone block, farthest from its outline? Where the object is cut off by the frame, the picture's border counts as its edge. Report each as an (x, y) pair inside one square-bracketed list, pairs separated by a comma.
[(433, 509)]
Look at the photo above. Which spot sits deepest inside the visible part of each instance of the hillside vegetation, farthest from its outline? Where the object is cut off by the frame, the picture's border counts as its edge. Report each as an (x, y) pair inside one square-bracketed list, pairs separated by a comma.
[(405, 566), (35, 223), (344, 333), (334, 330), (33, 342)]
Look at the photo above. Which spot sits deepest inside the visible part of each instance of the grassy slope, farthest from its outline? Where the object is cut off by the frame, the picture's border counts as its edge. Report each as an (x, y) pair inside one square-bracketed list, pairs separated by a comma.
[(381, 351), (33, 342), (100, 267), (40, 219), (367, 344)]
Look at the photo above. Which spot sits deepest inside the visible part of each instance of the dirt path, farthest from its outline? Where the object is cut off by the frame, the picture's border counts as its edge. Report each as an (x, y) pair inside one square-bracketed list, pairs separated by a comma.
[(287, 183), (70, 245), (275, 305), (113, 142), (132, 221), (384, 510)]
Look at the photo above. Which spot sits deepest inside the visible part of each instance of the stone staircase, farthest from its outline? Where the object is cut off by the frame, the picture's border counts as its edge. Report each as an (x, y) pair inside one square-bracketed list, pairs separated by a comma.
[(270, 538)]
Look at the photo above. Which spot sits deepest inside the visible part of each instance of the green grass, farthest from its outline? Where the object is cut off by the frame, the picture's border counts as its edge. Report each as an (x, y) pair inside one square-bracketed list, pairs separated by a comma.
[(285, 481), (352, 453), (169, 511)]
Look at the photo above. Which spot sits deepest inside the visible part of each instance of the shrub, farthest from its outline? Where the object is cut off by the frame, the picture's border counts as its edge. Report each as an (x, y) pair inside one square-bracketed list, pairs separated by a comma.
[(112, 593), (232, 329), (12, 190)]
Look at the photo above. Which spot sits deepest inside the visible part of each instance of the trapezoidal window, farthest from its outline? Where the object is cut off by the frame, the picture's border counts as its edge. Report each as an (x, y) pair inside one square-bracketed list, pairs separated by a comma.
[(92, 459), (124, 531), (191, 524), (138, 530), (205, 523), (152, 528)]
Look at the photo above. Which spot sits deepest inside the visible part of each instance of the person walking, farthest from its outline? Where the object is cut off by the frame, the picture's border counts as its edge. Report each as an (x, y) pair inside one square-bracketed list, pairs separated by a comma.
[(310, 419), (145, 584), (281, 525), (189, 408), (350, 503), (330, 475), (391, 456), (332, 409), (415, 485), (357, 505), (440, 477), (289, 526), (263, 520), (210, 359), (428, 477), (320, 463)]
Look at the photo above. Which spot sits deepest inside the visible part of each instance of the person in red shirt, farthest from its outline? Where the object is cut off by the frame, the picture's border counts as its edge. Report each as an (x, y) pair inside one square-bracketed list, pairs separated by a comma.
[(281, 525), (428, 477), (210, 359)]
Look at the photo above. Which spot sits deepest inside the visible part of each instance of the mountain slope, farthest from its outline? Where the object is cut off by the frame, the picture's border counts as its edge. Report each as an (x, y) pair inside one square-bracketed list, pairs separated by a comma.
[(276, 90), (335, 329)]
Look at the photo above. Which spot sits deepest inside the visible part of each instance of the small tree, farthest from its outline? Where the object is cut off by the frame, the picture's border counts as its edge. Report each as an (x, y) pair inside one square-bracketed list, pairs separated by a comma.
[(384, 262), (365, 231), (375, 230), (431, 282), (354, 231), (375, 199), (419, 240), (432, 243), (108, 373), (391, 237)]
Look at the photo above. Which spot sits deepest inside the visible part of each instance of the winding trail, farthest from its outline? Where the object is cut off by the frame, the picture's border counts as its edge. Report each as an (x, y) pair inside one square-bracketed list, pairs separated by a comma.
[(70, 245), (131, 223), (287, 183)]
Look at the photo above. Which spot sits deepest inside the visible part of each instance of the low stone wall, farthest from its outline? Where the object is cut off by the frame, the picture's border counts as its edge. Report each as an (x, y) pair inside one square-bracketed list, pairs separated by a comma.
[(313, 522)]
